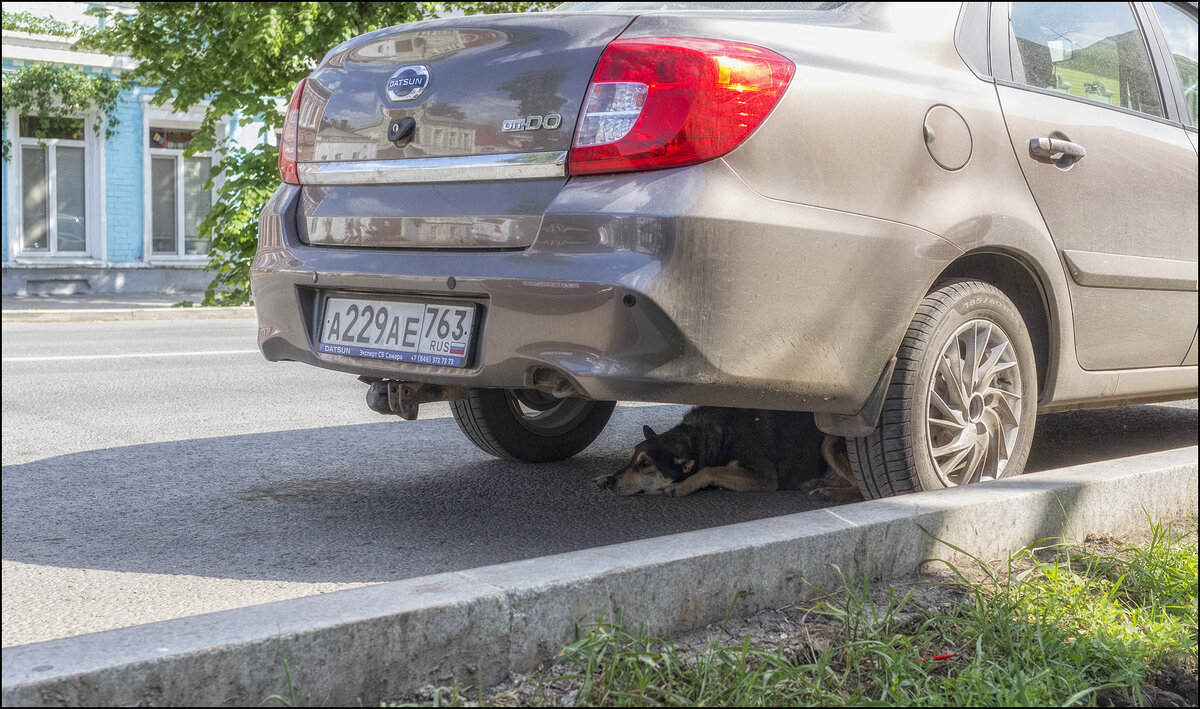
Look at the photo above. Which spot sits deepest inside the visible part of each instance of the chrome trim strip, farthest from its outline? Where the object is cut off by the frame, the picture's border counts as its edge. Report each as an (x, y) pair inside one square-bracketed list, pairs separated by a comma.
[(466, 168)]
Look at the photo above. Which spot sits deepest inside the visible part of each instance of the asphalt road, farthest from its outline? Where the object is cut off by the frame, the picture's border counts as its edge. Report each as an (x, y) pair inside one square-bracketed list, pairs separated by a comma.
[(158, 469)]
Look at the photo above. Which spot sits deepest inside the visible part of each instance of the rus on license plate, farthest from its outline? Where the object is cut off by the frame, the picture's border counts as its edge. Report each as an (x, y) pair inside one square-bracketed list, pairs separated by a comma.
[(401, 331)]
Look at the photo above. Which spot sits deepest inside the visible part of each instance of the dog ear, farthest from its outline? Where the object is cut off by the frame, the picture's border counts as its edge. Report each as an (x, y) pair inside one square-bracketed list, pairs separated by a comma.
[(687, 465), (648, 432)]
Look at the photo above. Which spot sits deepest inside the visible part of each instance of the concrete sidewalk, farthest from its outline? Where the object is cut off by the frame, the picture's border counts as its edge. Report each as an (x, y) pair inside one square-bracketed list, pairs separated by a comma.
[(476, 626), (114, 306)]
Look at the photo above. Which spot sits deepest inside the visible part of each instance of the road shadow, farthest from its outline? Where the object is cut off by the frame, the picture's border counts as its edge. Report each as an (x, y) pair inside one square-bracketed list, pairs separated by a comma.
[(1079, 437), (393, 500), (344, 504)]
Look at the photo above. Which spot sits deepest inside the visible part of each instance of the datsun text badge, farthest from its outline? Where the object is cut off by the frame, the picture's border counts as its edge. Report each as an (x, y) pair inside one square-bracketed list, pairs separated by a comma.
[(408, 82)]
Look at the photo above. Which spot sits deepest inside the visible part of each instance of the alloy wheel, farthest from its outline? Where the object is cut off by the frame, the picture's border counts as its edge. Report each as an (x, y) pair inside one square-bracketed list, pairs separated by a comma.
[(974, 412), (546, 415)]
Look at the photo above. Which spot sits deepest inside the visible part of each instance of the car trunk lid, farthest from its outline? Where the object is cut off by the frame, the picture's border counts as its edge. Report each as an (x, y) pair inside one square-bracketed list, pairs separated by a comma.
[(486, 107), (473, 86)]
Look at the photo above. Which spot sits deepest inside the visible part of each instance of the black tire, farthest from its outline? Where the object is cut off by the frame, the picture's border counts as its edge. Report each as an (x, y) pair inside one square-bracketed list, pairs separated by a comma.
[(526, 425), (937, 431)]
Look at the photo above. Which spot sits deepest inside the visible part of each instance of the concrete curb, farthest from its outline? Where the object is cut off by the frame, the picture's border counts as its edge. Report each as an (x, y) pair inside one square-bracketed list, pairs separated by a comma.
[(108, 314), (477, 625)]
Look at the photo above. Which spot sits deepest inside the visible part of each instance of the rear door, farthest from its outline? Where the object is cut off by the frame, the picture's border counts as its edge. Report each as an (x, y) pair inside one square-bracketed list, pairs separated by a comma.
[(1123, 215), (1181, 48)]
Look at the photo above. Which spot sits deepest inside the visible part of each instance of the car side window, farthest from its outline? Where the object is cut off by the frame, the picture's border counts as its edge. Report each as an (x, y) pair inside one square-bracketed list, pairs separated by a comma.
[(1180, 29), (1091, 50)]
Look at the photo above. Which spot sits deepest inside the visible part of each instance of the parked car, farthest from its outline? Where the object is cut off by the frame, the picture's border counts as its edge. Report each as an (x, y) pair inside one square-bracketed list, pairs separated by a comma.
[(925, 223)]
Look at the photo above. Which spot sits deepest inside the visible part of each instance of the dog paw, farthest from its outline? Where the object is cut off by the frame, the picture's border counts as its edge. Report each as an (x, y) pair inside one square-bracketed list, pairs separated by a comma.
[(605, 482), (677, 490), (811, 486), (837, 493)]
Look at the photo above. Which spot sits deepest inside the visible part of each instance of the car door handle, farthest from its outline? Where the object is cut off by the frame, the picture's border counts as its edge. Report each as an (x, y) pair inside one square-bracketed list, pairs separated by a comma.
[(1061, 153)]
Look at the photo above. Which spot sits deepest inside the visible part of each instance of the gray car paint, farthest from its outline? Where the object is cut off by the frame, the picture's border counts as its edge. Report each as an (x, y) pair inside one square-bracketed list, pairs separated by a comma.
[(452, 215), (1113, 205), (782, 276), (496, 67), (560, 303)]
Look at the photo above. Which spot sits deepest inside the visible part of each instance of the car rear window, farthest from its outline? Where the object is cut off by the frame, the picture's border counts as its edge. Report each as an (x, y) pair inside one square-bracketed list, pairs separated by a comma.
[(677, 6)]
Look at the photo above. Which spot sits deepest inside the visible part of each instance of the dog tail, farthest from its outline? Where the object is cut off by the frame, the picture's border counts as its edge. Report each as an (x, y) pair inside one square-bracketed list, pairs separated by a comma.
[(833, 450)]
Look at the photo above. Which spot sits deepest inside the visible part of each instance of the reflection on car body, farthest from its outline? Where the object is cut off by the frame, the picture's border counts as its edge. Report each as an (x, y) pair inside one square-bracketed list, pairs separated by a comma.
[(924, 223)]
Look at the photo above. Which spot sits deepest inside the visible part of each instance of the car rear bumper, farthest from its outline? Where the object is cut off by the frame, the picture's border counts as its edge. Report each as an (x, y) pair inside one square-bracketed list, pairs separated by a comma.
[(680, 286)]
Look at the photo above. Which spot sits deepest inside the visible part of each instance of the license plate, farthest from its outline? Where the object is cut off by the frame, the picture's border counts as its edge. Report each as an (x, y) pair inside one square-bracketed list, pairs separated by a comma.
[(401, 331)]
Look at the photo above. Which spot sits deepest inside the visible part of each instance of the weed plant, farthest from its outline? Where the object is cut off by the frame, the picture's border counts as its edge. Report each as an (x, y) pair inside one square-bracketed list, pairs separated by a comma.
[(1056, 625)]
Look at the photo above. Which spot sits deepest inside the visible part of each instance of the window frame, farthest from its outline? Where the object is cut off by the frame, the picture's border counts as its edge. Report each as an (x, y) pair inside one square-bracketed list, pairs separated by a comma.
[(93, 195), (1002, 68), (972, 38), (178, 257), (1167, 60)]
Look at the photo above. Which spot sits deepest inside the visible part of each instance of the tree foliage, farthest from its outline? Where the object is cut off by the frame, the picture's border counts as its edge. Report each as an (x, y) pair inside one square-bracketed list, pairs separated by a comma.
[(251, 176), (52, 91), (30, 23), (243, 59)]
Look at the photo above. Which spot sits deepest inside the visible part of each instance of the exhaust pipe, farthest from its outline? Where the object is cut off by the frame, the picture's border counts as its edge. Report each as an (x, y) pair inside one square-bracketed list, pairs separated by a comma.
[(404, 399), (550, 382), (377, 398)]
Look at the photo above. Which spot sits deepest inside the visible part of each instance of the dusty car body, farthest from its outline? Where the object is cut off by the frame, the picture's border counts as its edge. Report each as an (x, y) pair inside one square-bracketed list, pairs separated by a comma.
[(435, 172)]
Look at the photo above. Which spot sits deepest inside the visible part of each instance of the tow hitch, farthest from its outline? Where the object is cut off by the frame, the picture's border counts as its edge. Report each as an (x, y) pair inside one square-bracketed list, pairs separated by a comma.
[(403, 399)]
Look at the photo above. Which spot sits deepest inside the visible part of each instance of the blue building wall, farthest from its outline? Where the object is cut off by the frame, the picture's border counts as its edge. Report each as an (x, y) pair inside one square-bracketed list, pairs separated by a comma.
[(124, 204), (123, 265), (8, 66), (4, 205), (123, 154)]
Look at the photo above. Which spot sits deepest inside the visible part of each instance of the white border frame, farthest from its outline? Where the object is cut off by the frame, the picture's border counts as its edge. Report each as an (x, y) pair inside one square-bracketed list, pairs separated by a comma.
[(177, 155), (95, 195), (166, 117)]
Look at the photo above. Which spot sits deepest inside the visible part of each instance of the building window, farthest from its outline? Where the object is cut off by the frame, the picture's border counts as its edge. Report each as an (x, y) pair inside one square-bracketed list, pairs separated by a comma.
[(53, 187), (171, 139), (178, 200)]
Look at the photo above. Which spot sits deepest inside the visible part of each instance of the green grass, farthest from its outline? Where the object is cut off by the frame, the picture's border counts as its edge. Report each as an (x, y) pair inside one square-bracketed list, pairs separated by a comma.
[(1057, 625)]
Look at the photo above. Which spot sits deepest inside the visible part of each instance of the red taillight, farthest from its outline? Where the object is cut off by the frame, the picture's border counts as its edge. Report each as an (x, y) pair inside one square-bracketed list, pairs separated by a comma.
[(288, 139), (672, 101)]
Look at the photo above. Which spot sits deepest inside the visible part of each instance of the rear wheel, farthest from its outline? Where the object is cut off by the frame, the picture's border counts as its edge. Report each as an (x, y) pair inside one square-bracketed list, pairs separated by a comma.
[(527, 425), (962, 402)]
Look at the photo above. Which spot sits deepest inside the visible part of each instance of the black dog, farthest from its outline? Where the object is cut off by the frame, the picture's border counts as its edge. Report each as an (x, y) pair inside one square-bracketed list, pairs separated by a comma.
[(748, 450)]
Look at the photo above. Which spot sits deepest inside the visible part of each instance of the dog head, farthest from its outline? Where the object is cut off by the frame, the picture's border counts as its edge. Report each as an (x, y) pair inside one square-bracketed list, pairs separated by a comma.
[(654, 463)]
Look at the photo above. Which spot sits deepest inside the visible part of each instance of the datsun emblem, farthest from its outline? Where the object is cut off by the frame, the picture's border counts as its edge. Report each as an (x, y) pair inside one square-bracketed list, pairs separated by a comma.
[(408, 82)]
